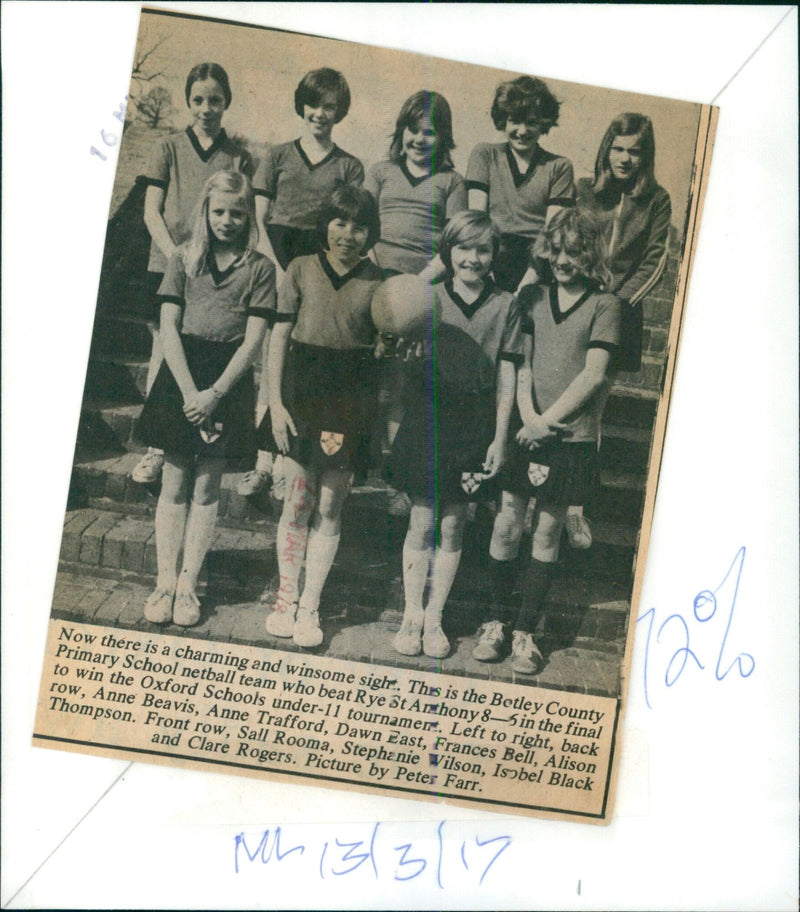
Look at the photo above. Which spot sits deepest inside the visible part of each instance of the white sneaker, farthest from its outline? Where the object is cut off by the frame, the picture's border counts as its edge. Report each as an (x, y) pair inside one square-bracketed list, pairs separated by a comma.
[(408, 639), (435, 644), (307, 631), (158, 607), (280, 620), (186, 611), (579, 534), (148, 469), (525, 655), (491, 642), (399, 503)]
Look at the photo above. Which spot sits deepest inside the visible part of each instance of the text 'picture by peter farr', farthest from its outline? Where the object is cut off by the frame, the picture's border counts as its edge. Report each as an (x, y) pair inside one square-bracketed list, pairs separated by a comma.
[(372, 421)]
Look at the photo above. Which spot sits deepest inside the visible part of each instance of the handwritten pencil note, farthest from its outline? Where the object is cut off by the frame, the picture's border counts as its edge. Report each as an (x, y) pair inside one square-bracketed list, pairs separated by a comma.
[(671, 645)]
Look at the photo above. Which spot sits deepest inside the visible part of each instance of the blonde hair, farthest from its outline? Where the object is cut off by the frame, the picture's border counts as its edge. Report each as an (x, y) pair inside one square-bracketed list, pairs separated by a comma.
[(195, 250), (577, 231)]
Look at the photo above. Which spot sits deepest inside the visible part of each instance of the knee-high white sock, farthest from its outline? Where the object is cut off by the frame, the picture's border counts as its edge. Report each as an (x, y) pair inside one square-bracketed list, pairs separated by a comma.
[(170, 525), (291, 545), (445, 564), (415, 577), (320, 553), (199, 534)]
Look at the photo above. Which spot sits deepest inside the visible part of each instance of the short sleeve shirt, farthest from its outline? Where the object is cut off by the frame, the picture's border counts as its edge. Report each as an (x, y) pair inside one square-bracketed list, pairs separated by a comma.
[(560, 343), (299, 189), (216, 305), (469, 340), (180, 166), (518, 202), (327, 309), (413, 213)]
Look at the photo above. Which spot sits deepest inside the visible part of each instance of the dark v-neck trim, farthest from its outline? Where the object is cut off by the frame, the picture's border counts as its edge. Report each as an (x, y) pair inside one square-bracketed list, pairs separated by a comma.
[(218, 275), (516, 175), (307, 161), (469, 310), (339, 281), (560, 316), (205, 154), (414, 181)]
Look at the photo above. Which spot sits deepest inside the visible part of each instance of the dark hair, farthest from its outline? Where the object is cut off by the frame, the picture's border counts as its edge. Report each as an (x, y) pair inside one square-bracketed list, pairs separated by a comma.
[(523, 98), (317, 83), (579, 233), (432, 105), (628, 125), (468, 227), (209, 71), (354, 205)]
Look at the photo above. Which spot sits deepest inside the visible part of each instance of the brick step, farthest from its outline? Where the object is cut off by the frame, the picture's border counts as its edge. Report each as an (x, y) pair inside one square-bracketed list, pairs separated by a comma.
[(582, 641), (625, 449), (619, 498), (649, 377), (615, 514), (116, 379), (631, 406), (371, 546), (120, 334)]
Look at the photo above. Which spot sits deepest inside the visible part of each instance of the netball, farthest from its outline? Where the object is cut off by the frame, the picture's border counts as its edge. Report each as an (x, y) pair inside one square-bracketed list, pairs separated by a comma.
[(402, 305)]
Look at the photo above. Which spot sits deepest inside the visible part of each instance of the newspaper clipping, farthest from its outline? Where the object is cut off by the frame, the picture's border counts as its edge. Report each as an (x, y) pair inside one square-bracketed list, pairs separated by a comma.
[(372, 422)]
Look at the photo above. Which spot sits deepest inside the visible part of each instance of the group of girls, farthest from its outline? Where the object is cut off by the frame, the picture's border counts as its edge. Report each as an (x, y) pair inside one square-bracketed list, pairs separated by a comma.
[(535, 305)]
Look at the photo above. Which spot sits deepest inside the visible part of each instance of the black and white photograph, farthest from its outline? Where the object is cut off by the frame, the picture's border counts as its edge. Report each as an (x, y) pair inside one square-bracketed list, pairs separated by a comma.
[(376, 380)]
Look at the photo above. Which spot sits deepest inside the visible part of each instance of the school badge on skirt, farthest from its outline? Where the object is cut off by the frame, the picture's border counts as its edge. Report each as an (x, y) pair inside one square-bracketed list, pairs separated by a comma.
[(471, 481), (537, 474), (330, 442)]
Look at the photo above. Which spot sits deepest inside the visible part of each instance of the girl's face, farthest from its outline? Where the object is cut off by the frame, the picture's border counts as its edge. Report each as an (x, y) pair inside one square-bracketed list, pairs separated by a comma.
[(227, 217), (346, 241), (321, 117), (207, 105), (471, 262), (419, 144), (523, 135), (625, 157), (566, 267)]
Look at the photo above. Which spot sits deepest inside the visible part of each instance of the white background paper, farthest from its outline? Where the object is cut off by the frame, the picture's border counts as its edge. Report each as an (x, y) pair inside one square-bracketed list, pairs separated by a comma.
[(706, 813)]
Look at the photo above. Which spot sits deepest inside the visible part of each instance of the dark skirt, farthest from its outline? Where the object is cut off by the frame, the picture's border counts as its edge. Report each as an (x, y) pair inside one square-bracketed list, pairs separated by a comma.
[(162, 423), (441, 444), (331, 395), (513, 260), (559, 473), (289, 243), (629, 358)]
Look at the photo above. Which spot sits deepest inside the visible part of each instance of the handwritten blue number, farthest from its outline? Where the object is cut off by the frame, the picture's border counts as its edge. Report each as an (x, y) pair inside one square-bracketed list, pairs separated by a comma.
[(684, 650), (740, 554), (406, 847), (506, 844), (359, 859), (652, 613)]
